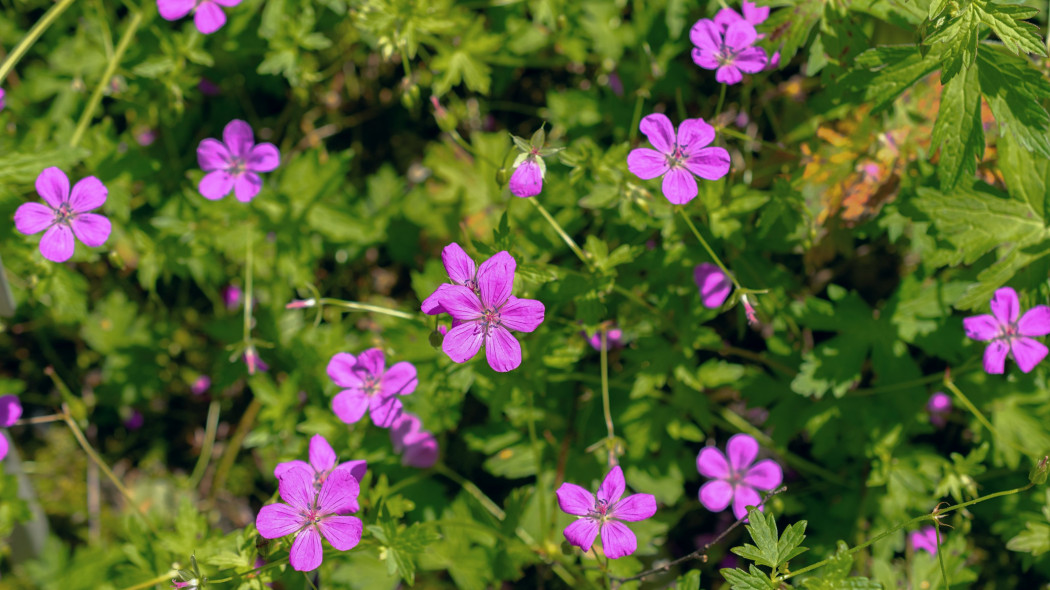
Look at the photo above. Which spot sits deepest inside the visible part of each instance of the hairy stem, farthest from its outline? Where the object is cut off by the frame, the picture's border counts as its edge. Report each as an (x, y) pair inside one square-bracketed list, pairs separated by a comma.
[(209, 443), (561, 232), (34, 33), (707, 247)]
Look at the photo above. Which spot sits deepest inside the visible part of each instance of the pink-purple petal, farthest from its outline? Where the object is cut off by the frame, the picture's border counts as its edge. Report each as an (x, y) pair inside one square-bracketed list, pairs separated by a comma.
[(711, 462), (713, 284), (740, 35), (31, 218), (227, 3), (728, 74), (575, 500), (496, 279), (339, 489), (10, 410), (322, 456), (461, 303), (246, 186), (657, 127), (343, 532), (995, 357), (646, 163), (385, 410), (716, 495), (1035, 322), (4, 446), (527, 180), (264, 157), (341, 370), (372, 360), (726, 17), (741, 451), (209, 17), (174, 9), (297, 488), (705, 59), (679, 186), (751, 60), (523, 315), (422, 453), (709, 163), (582, 533), (350, 405), (694, 134), (706, 35), (212, 155), (981, 327), (53, 186), (306, 553), (356, 468), (502, 350), (238, 137), (1028, 353), (283, 467), (432, 304), (400, 379), (216, 185), (753, 13), (57, 243), (277, 520), (617, 540), (1005, 305), (634, 507), (91, 229), (744, 496), (460, 267), (462, 342), (612, 486), (88, 193), (764, 475)]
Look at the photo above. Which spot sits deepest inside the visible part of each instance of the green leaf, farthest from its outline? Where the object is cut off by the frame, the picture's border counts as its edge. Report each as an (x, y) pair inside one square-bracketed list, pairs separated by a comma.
[(1015, 90), (402, 545), (789, 545), (955, 31), (763, 530), (1007, 21), (750, 580), (958, 131), (466, 63), (835, 575), (1035, 539), (1027, 175), (790, 28), (883, 73)]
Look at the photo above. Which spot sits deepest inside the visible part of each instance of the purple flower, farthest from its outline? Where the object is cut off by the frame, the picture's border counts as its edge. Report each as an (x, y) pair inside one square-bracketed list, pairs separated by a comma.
[(10, 412), (323, 464), (1008, 334), (678, 157), (714, 285), (208, 88), (461, 270), (486, 316), (254, 362), (310, 513), (924, 540), (135, 420), (200, 385), (730, 52), (370, 386), (418, 447), (601, 514), (527, 180), (231, 296), (613, 339), (736, 479), (233, 163), (939, 406), (2, 97), (753, 14), (65, 215), (208, 18)]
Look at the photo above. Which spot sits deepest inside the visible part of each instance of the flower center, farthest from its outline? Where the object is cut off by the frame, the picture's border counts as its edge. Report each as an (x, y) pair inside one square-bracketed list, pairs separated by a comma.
[(601, 509), (674, 159), (237, 167), (725, 56), (64, 213), (490, 318), (370, 385), (1008, 332)]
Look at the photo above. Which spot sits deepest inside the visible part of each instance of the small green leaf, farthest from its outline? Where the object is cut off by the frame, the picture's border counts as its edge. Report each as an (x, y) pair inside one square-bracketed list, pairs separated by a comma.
[(958, 131)]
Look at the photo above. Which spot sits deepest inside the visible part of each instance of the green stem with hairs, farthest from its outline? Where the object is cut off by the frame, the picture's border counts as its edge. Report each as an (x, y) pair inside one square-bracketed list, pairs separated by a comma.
[(721, 99), (571, 243), (211, 428), (34, 33), (107, 75), (707, 247)]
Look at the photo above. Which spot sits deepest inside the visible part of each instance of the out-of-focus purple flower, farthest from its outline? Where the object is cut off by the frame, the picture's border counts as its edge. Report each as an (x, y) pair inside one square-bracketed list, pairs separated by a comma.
[(730, 52), (601, 513), (65, 215), (189, 585), (678, 157), (234, 163), (146, 137), (200, 385), (418, 447), (311, 513), (735, 480), (254, 362), (231, 296), (753, 14), (1009, 332), (486, 316), (527, 179), (322, 464), (615, 84), (208, 88), (613, 339), (370, 387), (10, 412), (939, 406), (774, 61), (208, 16), (2, 99), (301, 303), (924, 539), (714, 285), (135, 420)]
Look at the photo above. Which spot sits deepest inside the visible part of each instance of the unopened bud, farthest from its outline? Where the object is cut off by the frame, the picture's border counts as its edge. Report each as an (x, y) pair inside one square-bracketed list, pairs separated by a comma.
[(1038, 473), (301, 303)]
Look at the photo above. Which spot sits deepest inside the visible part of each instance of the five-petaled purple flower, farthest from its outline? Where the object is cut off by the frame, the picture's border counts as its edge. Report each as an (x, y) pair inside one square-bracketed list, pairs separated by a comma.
[(736, 479), (485, 316), (678, 157), (310, 513), (233, 163), (208, 18), (418, 447), (65, 215), (10, 412), (601, 513), (323, 464), (730, 51), (369, 386), (714, 285), (1008, 334), (924, 540)]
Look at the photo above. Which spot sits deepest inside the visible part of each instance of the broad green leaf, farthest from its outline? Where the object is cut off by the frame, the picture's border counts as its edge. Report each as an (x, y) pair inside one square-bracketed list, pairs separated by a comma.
[(1035, 539), (1007, 21), (954, 31), (749, 580), (958, 131), (763, 530), (1015, 91)]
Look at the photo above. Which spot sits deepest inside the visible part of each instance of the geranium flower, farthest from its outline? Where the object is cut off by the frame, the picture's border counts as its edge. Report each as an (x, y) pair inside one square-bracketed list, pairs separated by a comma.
[(752, 13), (678, 157), (924, 540), (735, 481), (461, 270), (527, 179), (233, 163), (418, 447), (602, 513), (1007, 334), (730, 52), (322, 464), (370, 386), (714, 285), (485, 318), (10, 412), (310, 513), (65, 215), (208, 16)]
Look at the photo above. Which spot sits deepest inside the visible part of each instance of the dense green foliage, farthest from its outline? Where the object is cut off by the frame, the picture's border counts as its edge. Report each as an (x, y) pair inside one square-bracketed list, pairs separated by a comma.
[(887, 178)]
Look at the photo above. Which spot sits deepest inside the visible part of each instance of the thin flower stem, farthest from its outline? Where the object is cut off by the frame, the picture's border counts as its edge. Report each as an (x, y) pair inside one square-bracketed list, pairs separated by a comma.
[(932, 516), (637, 117), (355, 306), (309, 581), (234, 446), (940, 554), (743, 136), (161, 579), (537, 451), (561, 232), (474, 491), (41, 419), (34, 33), (209, 443), (611, 440), (722, 94), (980, 417), (248, 283), (707, 247), (111, 68)]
